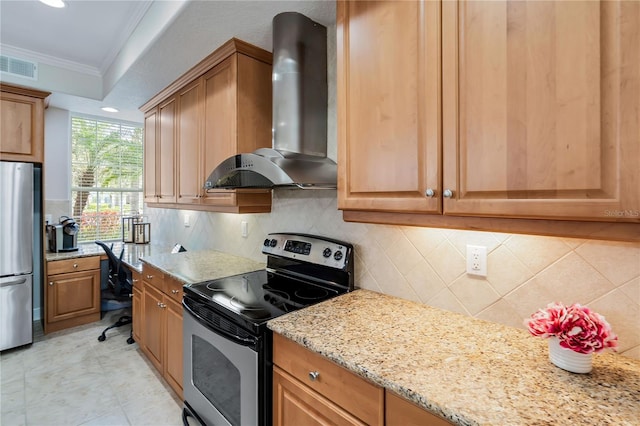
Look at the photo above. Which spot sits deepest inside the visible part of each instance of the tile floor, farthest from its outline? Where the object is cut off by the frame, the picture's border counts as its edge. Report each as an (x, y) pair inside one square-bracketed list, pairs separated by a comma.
[(68, 378)]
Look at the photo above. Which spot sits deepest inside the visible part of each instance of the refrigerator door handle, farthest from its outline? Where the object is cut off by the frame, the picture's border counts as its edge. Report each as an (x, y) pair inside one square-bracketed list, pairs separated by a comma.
[(14, 282)]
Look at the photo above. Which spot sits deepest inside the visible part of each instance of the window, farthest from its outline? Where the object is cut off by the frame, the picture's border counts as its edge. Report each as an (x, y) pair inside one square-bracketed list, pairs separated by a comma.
[(106, 163)]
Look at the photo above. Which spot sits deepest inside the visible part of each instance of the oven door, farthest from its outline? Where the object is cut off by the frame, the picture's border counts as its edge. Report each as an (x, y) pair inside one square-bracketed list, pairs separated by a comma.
[(220, 374)]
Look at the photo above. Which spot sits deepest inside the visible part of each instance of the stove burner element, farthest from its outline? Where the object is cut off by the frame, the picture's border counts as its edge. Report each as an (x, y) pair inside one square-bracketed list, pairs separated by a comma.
[(231, 282), (241, 306), (311, 293)]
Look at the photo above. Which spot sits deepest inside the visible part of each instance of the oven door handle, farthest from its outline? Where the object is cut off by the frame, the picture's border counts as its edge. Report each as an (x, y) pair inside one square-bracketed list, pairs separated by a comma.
[(244, 341)]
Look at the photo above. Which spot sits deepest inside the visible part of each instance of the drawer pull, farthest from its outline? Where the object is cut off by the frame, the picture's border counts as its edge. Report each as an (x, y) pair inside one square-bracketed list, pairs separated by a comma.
[(162, 305), (149, 277), (75, 265), (50, 282), (313, 375), (175, 291), (134, 280)]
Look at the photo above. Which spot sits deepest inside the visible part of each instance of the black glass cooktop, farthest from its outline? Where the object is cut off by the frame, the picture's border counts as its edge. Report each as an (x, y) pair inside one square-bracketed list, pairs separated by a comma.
[(259, 296)]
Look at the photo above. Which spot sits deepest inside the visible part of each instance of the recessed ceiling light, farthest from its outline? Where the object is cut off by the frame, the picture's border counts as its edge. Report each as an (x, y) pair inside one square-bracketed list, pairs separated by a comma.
[(109, 109), (54, 3)]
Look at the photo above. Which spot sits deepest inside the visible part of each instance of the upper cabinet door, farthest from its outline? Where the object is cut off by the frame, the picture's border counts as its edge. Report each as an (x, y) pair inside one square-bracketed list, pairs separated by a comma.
[(388, 87), (150, 158), (189, 143), (165, 174), (21, 124), (541, 109), (220, 124)]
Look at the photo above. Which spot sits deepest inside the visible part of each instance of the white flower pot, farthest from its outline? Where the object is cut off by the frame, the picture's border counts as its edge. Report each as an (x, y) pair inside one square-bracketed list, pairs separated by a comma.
[(567, 359)]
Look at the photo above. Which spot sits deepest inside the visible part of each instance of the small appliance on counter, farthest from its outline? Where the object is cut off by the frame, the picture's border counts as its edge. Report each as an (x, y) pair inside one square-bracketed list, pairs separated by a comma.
[(63, 236)]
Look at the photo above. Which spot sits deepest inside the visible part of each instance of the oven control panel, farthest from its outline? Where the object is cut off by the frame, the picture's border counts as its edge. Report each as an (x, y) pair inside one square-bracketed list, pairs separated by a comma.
[(308, 248)]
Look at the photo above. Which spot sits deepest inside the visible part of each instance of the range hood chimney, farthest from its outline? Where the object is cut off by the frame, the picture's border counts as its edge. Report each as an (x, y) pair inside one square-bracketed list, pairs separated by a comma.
[(298, 158)]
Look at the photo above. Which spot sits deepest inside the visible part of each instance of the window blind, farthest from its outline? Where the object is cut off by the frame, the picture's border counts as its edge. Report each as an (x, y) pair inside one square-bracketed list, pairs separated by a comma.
[(107, 176)]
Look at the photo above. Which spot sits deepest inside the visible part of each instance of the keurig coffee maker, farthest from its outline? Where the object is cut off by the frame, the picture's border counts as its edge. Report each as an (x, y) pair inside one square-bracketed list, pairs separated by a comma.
[(63, 236)]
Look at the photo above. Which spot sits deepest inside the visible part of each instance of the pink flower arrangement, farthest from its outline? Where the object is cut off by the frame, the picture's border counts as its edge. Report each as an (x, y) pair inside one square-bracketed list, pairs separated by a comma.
[(576, 327)]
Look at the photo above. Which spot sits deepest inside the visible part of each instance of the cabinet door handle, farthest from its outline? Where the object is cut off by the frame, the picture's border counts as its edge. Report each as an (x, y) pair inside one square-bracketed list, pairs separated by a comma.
[(162, 305), (75, 265), (149, 277), (429, 193), (175, 291), (313, 375), (50, 282), (134, 280), (447, 193)]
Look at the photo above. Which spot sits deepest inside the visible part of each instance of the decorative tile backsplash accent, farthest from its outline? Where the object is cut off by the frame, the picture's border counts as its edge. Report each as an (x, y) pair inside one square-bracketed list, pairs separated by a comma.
[(525, 272)]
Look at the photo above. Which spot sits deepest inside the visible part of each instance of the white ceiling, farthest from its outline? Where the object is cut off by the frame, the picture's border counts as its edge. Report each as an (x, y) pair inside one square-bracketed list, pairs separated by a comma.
[(95, 53)]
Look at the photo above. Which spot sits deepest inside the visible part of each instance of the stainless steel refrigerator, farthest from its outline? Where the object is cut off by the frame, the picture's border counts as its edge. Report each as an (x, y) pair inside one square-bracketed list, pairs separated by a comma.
[(17, 224)]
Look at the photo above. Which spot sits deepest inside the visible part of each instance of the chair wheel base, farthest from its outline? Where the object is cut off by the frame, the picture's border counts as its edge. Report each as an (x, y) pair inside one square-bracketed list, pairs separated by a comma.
[(102, 338), (130, 340)]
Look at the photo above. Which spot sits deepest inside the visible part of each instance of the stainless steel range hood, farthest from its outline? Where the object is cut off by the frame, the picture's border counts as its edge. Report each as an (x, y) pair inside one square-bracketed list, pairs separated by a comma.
[(299, 155)]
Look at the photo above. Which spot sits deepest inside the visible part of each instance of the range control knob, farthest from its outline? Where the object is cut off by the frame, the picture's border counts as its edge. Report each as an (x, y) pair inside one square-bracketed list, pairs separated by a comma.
[(337, 255), (326, 252), (266, 242), (273, 242)]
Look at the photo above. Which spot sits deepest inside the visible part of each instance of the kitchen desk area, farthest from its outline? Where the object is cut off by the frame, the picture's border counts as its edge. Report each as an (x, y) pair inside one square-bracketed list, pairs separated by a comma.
[(158, 276), (464, 370)]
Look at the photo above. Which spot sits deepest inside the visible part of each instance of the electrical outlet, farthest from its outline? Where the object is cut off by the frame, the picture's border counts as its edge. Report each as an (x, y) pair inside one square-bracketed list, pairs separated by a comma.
[(477, 260), (244, 229), (187, 221)]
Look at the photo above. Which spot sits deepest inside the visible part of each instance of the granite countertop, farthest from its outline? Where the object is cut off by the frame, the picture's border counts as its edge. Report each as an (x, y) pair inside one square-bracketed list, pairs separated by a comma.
[(196, 266), (188, 267), (469, 371), (133, 253)]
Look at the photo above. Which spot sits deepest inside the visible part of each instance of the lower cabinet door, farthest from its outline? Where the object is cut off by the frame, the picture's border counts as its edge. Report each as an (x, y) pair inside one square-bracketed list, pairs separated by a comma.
[(137, 315), (153, 326), (173, 359), (72, 295), (296, 404)]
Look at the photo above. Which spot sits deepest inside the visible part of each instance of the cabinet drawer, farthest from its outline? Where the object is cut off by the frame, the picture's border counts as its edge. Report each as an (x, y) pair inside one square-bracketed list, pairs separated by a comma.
[(349, 391), (173, 288), (73, 265), (153, 277)]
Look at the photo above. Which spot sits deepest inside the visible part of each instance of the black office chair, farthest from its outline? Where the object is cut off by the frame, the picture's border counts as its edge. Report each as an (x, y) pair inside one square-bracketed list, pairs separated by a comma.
[(119, 288)]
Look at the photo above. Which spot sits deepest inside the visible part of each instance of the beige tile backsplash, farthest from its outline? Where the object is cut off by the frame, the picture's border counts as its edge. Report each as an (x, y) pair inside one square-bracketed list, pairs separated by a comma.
[(428, 265)]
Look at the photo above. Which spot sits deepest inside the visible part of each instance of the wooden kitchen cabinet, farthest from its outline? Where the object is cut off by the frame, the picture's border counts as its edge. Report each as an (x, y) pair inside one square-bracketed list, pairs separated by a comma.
[(310, 389), (189, 120), (401, 412), (136, 306), (72, 295), (161, 324), (388, 105), (221, 107), (159, 155), (237, 119), (538, 117), (21, 123)]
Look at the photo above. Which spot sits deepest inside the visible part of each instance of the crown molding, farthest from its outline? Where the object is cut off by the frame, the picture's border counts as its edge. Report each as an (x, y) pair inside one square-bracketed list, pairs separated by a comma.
[(41, 58)]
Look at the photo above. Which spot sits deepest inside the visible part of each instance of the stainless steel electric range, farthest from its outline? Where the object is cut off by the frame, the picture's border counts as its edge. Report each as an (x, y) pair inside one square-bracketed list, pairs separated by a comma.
[(227, 345)]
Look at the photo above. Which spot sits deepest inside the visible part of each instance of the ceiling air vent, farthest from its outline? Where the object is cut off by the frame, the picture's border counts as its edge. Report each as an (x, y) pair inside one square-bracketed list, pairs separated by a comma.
[(19, 67)]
